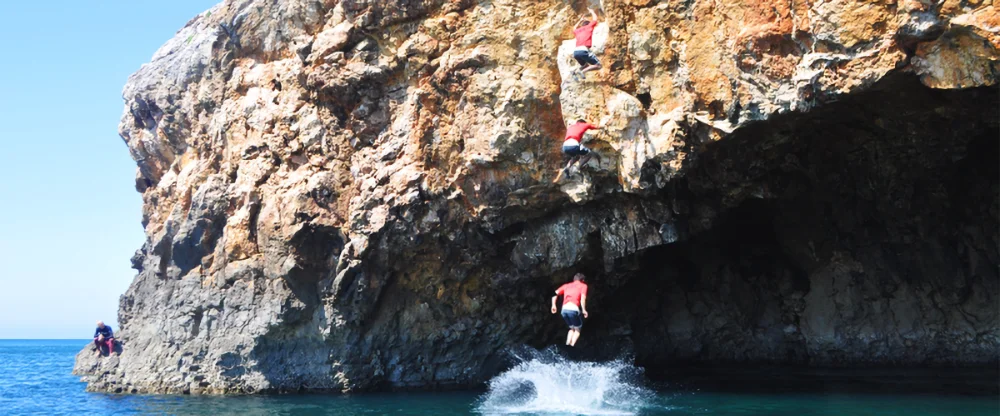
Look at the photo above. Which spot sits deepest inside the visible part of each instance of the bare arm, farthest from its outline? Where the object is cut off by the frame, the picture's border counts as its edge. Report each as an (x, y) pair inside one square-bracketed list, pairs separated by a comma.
[(554, 303), (593, 14), (583, 305)]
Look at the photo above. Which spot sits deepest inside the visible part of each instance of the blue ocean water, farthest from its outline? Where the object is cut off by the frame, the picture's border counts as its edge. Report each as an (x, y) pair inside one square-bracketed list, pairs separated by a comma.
[(35, 379)]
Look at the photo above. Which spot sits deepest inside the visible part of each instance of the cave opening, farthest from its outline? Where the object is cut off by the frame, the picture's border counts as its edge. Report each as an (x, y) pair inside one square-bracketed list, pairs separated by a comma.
[(733, 274), (862, 233)]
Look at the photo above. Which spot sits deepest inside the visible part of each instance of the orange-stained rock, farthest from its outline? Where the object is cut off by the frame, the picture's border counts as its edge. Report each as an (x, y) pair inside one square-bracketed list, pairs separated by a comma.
[(961, 60), (300, 157)]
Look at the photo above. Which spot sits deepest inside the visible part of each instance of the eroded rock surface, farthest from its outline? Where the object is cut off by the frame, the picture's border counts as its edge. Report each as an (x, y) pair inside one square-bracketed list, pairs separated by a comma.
[(345, 195)]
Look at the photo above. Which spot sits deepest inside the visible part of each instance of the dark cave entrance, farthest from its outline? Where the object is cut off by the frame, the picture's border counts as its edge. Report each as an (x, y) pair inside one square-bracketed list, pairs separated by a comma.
[(862, 233), (733, 274)]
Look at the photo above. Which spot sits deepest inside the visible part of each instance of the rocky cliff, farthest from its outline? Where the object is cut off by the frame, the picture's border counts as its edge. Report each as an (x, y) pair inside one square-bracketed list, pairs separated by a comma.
[(356, 194)]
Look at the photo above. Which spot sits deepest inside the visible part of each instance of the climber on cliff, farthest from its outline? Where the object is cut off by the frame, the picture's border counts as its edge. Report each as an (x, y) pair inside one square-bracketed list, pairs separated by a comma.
[(104, 336), (574, 304), (573, 147), (584, 33)]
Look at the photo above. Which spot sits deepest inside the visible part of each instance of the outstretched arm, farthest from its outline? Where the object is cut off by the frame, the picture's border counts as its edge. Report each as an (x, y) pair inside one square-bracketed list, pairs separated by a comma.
[(593, 15)]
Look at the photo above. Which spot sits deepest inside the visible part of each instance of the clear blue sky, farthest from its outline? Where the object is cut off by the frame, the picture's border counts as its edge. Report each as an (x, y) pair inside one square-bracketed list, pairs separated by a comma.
[(69, 212)]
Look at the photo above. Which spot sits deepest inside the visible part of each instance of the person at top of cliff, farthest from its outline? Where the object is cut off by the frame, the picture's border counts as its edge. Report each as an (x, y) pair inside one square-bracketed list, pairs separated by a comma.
[(574, 305), (584, 34), (104, 336), (573, 147)]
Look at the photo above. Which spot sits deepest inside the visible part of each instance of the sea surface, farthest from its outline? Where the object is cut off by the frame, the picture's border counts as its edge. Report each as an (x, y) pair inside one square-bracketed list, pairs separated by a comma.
[(35, 379)]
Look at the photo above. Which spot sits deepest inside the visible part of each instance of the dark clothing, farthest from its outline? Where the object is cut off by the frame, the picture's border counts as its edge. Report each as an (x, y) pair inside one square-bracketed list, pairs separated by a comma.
[(107, 341), (585, 58), (578, 150), (573, 318), (106, 331)]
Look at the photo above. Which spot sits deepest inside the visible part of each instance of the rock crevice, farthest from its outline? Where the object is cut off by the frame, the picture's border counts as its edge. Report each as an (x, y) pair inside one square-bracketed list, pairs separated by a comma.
[(348, 195)]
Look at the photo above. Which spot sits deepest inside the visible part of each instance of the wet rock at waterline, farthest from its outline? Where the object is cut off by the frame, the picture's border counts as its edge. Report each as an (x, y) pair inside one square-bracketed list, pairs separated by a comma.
[(343, 195)]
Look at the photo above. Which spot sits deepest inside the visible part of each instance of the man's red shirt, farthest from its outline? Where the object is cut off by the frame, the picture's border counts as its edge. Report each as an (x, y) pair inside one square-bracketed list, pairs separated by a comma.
[(576, 131), (585, 34), (572, 292)]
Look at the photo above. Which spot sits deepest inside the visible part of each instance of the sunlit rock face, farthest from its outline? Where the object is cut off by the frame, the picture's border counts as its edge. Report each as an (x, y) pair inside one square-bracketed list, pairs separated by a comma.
[(351, 195)]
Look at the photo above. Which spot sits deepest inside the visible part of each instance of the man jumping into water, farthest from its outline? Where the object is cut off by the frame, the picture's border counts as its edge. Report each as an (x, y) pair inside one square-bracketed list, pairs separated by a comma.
[(584, 34), (573, 147), (574, 303)]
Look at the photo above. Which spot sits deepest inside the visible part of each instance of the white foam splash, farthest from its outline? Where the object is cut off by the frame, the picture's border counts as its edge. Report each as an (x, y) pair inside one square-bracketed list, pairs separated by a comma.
[(546, 383)]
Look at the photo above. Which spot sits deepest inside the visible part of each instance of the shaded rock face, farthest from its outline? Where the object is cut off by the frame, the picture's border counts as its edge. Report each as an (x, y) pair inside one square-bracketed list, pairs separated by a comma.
[(351, 195), (845, 236)]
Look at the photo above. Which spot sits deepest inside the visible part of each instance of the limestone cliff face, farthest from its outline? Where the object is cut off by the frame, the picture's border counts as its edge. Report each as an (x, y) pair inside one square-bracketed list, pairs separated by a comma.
[(356, 194)]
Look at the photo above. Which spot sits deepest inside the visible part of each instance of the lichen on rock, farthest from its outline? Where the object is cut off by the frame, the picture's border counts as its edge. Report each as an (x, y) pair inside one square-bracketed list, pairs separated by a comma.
[(347, 195)]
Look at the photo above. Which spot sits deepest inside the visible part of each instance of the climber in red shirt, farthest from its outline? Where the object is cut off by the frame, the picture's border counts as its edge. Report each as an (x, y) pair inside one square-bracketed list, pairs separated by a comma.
[(573, 146), (574, 304), (584, 34)]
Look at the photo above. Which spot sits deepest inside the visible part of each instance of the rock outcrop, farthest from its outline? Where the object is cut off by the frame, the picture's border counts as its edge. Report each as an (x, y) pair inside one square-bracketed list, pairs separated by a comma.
[(351, 195)]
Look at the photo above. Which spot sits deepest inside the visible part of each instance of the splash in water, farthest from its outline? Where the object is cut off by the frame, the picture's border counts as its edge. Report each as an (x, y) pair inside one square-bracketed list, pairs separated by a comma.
[(544, 382)]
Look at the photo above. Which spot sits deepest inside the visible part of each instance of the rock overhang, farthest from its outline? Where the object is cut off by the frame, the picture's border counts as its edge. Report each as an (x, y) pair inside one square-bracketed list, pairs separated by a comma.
[(420, 141)]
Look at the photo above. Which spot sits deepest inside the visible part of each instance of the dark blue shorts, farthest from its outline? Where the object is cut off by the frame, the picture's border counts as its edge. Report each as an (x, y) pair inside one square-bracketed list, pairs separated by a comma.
[(585, 58), (578, 150), (573, 318)]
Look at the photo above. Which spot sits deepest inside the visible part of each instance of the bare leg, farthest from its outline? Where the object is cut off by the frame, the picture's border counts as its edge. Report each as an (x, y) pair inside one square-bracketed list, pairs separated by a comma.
[(590, 68), (575, 337), (569, 337)]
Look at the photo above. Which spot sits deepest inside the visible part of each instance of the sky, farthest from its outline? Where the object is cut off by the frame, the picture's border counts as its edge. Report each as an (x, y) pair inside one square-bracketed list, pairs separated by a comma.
[(70, 218)]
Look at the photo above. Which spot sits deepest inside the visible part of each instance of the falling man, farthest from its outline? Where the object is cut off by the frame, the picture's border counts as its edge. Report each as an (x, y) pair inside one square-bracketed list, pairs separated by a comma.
[(574, 307)]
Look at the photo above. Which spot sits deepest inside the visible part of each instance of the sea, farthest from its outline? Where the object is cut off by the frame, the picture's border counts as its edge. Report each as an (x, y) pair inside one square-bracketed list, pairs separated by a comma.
[(35, 378)]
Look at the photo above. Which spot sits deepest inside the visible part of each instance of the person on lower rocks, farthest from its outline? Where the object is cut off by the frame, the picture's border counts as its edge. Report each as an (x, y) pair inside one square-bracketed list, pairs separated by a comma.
[(104, 336), (584, 34), (574, 306), (573, 147)]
